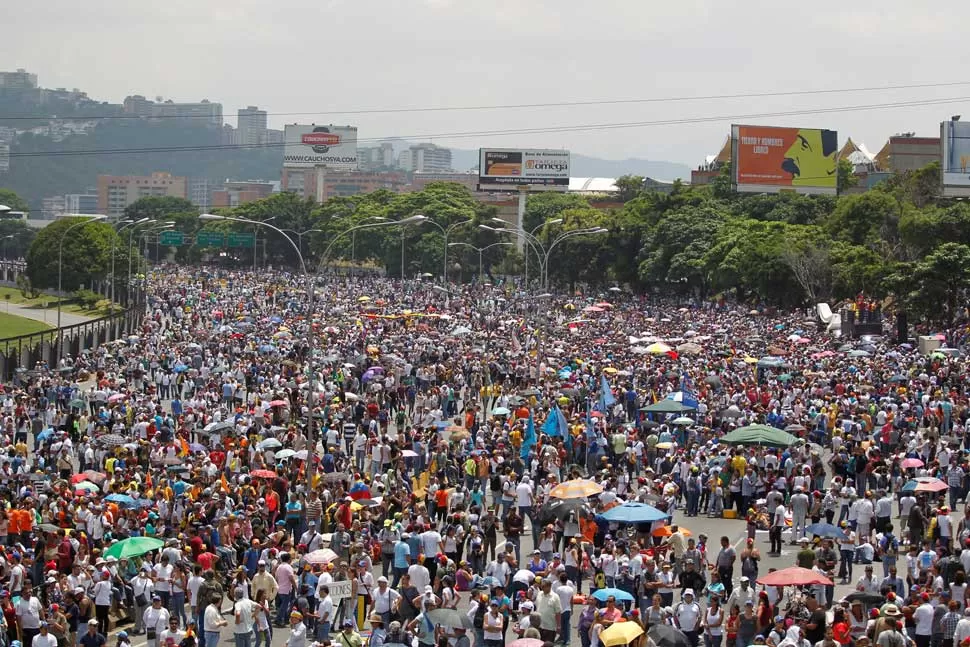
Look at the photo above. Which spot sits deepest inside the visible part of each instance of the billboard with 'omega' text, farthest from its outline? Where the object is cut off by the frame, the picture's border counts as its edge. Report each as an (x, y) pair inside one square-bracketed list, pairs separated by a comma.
[(768, 159), (505, 169), (308, 146)]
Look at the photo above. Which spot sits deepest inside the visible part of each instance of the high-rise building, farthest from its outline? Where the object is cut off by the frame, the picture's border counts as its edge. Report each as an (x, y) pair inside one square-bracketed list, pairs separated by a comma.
[(52, 207), (81, 203), (272, 137), (204, 112), (317, 183), (4, 156), (251, 123), (116, 192), (200, 192), (19, 80), (372, 158), (236, 193), (425, 158)]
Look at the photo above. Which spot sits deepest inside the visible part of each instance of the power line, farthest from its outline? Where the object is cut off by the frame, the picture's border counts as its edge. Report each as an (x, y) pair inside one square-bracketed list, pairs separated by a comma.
[(505, 132), (521, 106)]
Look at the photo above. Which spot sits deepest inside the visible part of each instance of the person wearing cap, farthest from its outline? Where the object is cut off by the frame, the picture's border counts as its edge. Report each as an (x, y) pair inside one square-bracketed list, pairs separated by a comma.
[(91, 638), (143, 589), (44, 638), (123, 639), (155, 620), (264, 581), (297, 637), (923, 617), (102, 600), (401, 558), (286, 588), (493, 626), (348, 637), (740, 596), (868, 582)]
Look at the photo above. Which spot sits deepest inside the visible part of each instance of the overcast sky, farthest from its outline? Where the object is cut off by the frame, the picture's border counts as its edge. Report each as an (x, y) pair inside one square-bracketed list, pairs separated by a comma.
[(320, 56)]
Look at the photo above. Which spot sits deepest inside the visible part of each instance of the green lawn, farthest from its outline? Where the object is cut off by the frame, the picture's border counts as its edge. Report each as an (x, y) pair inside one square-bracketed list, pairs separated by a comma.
[(46, 301), (14, 326)]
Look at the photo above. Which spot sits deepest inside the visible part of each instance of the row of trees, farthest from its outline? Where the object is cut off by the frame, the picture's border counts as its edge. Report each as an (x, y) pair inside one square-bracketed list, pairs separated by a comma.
[(898, 240)]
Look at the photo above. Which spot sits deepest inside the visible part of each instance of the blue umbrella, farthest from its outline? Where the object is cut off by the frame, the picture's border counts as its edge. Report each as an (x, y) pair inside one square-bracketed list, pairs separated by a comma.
[(634, 512), (276, 319), (618, 594), (825, 530), (44, 435), (180, 368), (121, 499), (910, 486)]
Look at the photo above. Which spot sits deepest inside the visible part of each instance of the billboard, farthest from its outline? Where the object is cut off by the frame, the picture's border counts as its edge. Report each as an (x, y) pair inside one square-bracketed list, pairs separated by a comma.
[(505, 169), (955, 141), (308, 146), (768, 159)]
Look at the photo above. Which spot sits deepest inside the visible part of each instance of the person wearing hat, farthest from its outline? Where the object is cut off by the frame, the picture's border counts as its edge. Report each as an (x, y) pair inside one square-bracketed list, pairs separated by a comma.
[(378, 635), (123, 640), (297, 637), (687, 616), (384, 600)]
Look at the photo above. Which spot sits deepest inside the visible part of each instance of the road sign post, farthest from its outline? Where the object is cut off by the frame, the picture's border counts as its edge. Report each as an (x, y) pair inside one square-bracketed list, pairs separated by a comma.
[(171, 238), (210, 239), (247, 240)]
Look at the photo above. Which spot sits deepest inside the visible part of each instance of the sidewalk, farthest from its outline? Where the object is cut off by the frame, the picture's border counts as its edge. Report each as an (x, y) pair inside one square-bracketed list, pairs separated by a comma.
[(48, 316)]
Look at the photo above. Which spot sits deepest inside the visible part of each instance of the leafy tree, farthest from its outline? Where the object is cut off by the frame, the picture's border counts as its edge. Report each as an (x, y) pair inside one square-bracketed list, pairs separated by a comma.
[(11, 199), (629, 187), (932, 287), (86, 254), (22, 237), (846, 176), (866, 219)]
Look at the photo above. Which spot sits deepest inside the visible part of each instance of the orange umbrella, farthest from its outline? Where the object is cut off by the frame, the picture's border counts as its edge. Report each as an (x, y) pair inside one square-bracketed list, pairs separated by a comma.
[(575, 489), (665, 531)]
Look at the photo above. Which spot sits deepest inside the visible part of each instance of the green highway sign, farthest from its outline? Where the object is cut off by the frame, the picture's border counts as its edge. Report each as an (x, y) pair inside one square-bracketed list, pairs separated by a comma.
[(171, 238), (210, 239), (242, 240)]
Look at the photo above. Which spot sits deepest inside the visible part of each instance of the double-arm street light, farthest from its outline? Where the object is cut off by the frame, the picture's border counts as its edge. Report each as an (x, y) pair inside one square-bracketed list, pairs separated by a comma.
[(447, 232), (114, 246), (532, 232), (541, 251), (480, 251), (85, 219), (300, 235), (311, 336)]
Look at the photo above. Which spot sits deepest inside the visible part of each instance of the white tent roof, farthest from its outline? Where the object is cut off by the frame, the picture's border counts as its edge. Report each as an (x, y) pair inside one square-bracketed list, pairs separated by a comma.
[(592, 185)]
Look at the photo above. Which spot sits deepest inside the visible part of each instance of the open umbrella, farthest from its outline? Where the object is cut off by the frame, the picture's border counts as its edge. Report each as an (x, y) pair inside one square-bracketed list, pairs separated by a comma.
[(321, 556), (133, 547), (446, 618), (664, 636), (794, 576), (121, 499), (617, 594), (263, 474), (929, 484), (86, 486), (528, 642), (217, 427), (825, 530), (269, 443), (560, 509), (633, 512), (759, 435), (666, 531), (865, 598), (111, 440), (667, 406), (906, 463), (576, 489), (500, 411), (621, 633)]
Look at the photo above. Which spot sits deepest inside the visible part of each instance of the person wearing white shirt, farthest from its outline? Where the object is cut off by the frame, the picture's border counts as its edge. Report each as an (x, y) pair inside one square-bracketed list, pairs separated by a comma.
[(962, 632), (325, 612), (45, 638), (924, 622)]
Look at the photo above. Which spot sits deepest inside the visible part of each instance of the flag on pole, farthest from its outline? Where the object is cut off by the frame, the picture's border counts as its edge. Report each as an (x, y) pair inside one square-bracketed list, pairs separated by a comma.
[(529, 441), (551, 426), (606, 394), (564, 430)]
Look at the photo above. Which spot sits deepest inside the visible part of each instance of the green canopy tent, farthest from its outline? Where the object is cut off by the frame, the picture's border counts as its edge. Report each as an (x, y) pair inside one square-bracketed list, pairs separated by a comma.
[(759, 435), (667, 406)]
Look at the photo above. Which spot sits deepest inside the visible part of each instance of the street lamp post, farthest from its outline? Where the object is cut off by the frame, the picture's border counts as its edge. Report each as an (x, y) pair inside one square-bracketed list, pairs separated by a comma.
[(446, 231), (131, 233), (353, 237), (301, 234), (5, 239), (569, 234), (532, 232), (114, 247), (542, 252), (480, 250), (60, 275)]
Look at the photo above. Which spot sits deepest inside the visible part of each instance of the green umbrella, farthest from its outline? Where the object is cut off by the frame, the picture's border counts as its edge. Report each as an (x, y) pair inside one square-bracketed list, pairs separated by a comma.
[(759, 435), (667, 406), (133, 547)]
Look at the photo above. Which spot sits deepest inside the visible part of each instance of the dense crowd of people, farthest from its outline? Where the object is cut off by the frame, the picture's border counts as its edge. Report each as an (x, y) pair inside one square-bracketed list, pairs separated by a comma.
[(409, 463)]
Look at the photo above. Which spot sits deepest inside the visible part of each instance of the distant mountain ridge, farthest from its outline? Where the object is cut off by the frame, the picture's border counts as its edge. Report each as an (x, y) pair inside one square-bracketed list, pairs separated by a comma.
[(586, 166)]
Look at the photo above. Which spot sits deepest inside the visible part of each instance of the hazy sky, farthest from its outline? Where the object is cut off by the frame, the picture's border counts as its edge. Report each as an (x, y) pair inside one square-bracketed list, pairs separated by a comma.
[(320, 56)]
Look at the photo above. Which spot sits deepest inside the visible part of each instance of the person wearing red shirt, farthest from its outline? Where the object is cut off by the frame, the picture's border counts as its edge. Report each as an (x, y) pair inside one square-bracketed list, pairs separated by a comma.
[(65, 557)]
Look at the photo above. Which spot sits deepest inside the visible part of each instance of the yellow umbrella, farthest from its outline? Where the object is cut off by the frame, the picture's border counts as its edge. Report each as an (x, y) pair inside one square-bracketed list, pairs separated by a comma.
[(664, 445), (575, 489), (569, 306), (657, 348), (620, 633), (363, 299), (609, 370), (750, 360)]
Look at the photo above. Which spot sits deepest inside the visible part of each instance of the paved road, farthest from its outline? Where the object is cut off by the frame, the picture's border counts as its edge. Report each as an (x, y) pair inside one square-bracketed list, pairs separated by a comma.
[(48, 315)]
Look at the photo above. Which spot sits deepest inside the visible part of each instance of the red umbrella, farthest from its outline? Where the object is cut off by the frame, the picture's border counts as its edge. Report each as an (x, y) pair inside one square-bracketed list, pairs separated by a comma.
[(279, 403), (929, 484), (263, 474), (911, 462), (596, 414), (794, 576)]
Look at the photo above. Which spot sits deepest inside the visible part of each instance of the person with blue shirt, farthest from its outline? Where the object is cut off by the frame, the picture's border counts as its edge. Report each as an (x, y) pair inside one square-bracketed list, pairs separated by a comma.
[(402, 558), (294, 516)]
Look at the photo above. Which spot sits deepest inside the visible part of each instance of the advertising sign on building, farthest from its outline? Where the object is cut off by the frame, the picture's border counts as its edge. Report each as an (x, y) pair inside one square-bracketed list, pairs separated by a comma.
[(768, 159), (504, 169), (308, 146), (955, 140)]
